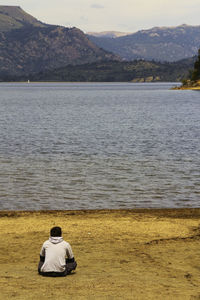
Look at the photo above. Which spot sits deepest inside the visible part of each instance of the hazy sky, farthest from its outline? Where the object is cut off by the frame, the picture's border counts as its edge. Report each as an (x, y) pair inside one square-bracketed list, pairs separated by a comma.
[(120, 15)]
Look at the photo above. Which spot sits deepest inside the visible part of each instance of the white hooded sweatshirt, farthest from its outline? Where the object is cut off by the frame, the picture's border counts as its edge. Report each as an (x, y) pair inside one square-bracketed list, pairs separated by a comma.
[(55, 251)]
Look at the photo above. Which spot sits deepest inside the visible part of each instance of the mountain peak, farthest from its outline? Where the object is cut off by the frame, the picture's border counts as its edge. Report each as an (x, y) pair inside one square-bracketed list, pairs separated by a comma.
[(9, 8), (14, 17)]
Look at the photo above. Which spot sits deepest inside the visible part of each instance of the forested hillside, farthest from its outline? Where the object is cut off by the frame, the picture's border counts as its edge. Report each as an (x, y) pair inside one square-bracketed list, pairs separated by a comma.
[(136, 71), (30, 46)]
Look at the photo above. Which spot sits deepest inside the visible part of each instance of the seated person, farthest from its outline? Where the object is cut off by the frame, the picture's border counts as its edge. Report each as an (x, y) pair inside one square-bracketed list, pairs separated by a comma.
[(56, 256)]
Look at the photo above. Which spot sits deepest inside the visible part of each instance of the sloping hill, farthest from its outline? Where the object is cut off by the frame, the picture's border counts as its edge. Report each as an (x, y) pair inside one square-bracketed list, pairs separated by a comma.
[(13, 17), (35, 49), (159, 43), (29, 46)]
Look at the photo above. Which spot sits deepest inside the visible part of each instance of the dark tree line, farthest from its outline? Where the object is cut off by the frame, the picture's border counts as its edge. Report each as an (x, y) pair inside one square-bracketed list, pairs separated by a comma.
[(196, 71)]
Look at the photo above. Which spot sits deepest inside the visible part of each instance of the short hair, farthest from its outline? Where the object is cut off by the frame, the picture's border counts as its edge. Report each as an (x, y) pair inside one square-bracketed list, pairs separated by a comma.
[(56, 231)]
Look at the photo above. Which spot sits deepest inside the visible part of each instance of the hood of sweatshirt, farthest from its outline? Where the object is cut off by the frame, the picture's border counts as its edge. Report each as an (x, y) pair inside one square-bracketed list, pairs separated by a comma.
[(55, 239)]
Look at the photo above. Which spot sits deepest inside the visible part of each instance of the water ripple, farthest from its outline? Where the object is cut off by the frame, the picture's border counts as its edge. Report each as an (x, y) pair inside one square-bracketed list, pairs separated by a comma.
[(76, 146)]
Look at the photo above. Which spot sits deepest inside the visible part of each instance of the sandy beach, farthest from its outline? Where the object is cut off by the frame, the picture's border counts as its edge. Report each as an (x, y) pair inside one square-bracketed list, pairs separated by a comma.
[(194, 88), (197, 88), (121, 254)]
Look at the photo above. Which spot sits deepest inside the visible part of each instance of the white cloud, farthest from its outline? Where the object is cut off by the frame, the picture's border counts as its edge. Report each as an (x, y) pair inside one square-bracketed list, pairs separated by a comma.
[(124, 15), (97, 6)]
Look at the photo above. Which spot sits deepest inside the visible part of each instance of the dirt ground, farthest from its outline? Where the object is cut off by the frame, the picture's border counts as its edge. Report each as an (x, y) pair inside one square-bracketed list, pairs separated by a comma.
[(121, 254)]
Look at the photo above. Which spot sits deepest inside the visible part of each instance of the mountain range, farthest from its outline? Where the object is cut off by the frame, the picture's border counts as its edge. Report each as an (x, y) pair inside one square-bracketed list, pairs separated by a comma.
[(30, 46), (159, 43)]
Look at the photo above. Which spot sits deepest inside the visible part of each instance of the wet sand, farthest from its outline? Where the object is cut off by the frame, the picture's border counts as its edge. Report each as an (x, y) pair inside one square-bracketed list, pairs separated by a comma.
[(121, 254)]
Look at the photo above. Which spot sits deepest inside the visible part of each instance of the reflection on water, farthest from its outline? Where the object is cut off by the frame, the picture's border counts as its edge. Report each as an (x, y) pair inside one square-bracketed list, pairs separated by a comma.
[(87, 146)]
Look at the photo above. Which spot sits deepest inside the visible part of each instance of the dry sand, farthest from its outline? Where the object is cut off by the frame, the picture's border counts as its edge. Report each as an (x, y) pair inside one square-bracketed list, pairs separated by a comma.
[(121, 254), (196, 88)]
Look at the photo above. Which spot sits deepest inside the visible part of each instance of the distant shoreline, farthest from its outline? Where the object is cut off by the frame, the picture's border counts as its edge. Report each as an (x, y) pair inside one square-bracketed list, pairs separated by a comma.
[(93, 82), (189, 85), (188, 88)]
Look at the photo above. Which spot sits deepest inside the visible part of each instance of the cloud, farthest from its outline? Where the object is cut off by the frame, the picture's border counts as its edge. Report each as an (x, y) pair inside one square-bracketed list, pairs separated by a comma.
[(98, 6), (119, 15)]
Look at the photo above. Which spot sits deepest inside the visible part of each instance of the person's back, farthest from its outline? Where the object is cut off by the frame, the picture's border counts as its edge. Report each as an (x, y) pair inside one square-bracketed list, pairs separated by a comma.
[(53, 255)]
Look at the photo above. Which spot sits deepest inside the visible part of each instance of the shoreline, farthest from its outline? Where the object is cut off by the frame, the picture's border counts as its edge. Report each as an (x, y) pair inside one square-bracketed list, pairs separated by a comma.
[(121, 254), (93, 82), (188, 88), (159, 211)]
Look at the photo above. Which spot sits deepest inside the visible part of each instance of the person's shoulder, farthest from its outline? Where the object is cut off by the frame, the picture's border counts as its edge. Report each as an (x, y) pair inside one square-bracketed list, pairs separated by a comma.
[(46, 242), (66, 243)]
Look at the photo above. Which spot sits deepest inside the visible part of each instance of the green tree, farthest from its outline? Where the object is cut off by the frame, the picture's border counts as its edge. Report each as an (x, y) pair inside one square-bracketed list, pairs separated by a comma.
[(196, 71)]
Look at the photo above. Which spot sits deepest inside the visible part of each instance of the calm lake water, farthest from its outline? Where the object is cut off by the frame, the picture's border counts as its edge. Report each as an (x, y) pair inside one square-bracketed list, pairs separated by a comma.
[(88, 146)]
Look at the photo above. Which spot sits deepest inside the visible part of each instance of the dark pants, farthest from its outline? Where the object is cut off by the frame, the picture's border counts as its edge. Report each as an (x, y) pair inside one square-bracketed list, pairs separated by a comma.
[(70, 266)]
